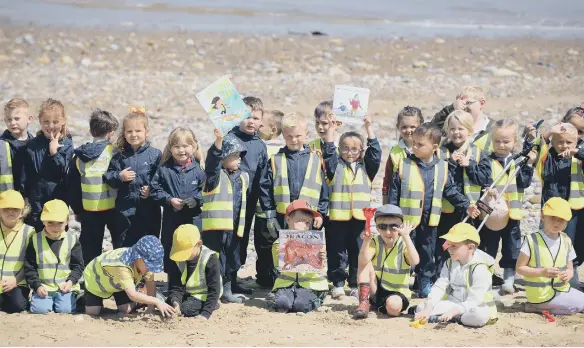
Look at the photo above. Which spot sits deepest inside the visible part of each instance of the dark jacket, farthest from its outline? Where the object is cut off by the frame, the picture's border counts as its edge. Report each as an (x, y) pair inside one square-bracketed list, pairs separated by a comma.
[(557, 175), (451, 192), (455, 171), (31, 273), (482, 173), (297, 165), (440, 118), (212, 277), (370, 161), (18, 154), (85, 153), (144, 162), (44, 176)]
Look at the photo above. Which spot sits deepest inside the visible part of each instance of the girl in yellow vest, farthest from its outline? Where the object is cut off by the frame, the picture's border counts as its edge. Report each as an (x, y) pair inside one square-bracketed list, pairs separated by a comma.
[(54, 263), (408, 119), (504, 135), (463, 292), (117, 272), (385, 262), (545, 262), (14, 240), (349, 171)]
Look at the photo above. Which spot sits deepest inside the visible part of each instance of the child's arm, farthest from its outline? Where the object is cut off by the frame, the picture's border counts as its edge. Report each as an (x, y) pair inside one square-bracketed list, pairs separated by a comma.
[(157, 193), (372, 156), (76, 265), (63, 155), (266, 189), (411, 255), (136, 296), (330, 155), (367, 251), (31, 273), (439, 290), (395, 189), (74, 188), (440, 117), (481, 173), (213, 277), (175, 287), (323, 202), (112, 175), (525, 176), (213, 162)]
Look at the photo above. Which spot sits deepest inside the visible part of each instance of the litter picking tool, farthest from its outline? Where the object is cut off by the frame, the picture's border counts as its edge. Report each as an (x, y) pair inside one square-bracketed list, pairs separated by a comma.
[(549, 316), (369, 213)]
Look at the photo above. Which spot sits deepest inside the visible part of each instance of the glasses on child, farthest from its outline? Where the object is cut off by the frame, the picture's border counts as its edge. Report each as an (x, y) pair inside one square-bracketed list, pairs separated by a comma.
[(353, 150), (385, 227)]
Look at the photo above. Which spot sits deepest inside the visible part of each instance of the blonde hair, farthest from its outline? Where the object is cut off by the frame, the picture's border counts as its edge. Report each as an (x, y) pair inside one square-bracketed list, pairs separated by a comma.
[(564, 128), (14, 104), (465, 119), (294, 119), (506, 123), (179, 134), (54, 107), (473, 92), (133, 115)]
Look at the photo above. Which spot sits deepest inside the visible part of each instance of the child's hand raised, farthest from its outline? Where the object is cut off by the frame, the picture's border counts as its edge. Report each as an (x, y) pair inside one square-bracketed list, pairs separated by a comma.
[(368, 127), (54, 143), (366, 236), (406, 229), (367, 121), (218, 138), (531, 157), (458, 104), (127, 175), (569, 153)]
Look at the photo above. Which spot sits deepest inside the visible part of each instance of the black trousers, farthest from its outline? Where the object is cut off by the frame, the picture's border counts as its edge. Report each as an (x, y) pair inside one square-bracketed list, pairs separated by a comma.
[(250, 208), (15, 301), (227, 244), (445, 224), (263, 240), (169, 225), (343, 241), (510, 246), (425, 239), (129, 229), (93, 225)]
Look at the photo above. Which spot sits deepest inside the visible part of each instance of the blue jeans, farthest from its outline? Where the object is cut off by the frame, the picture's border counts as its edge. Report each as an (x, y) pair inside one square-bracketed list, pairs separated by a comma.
[(55, 301)]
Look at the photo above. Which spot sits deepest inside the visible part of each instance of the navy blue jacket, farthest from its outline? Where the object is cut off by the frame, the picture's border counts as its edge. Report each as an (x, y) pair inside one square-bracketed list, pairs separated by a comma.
[(173, 181), (255, 160), (144, 162), (85, 153), (213, 170), (44, 176), (556, 175), (297, 164), (371, 160), (451, 192), (18, 154), (481, 174)]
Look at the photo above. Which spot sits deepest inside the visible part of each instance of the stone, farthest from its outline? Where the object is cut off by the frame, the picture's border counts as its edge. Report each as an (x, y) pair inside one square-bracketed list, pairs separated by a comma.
[(199, 65), (67, 60), (573, 52), (190, 42), (535, 199), (28, 39), (44, 59), (86, 62), (419, 64), (4, 58), (114, 47), (439, 41)]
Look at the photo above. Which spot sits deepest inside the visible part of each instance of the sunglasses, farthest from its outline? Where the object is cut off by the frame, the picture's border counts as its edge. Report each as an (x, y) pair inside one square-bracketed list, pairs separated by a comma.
[(384, 227)]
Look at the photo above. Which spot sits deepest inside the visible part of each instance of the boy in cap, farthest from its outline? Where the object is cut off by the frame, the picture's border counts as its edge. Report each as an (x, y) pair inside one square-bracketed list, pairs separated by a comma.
[(300, 292), (195, 281), (54, 263), (545, 262), (117, 272), (385, 261), (224, 208), (463, 293)]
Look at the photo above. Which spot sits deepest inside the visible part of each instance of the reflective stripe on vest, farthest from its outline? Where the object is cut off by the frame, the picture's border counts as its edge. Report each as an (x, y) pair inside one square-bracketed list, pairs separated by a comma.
[(484, 142), (396, 154), (512, 195), (98, 281), (218, 212), (413, 188), (196, 285), (543, 289), (12, 255), (96, 195), (6, 178), (576, 195), (471, 191), (349, 193), (311, 186), (392, 269), (307, 280), (52, 269)]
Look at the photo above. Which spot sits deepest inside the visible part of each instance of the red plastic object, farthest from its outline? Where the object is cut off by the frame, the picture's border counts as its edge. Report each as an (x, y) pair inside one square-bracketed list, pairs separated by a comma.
[(549, 316), (369, 213)]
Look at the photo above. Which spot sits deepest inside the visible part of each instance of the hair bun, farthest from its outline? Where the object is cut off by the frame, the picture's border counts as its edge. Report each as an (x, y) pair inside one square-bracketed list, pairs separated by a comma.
[(141, 110)]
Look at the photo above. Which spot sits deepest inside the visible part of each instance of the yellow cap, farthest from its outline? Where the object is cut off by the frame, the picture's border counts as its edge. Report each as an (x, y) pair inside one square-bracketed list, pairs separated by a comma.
[(55, 210), (11, 199), (184, 239), (461, 232), (558, 207)]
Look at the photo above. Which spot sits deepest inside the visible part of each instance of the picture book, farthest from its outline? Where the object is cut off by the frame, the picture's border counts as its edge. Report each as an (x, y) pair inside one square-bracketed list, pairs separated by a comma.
[(223, 104), (350, 104), (300, 251)]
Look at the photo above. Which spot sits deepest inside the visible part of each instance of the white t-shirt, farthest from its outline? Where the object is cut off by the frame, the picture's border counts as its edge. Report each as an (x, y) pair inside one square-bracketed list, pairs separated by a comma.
[(552, 244)]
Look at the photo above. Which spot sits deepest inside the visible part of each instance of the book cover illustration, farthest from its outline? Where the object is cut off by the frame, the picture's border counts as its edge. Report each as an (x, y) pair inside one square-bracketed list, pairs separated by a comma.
[(223, 104), (350, 103), (299, 251)]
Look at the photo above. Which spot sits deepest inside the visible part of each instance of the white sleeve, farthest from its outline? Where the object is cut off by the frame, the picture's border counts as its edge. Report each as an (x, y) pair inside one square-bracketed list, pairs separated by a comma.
[(525, 248), (481, 283), (571, 254), (440, 287)]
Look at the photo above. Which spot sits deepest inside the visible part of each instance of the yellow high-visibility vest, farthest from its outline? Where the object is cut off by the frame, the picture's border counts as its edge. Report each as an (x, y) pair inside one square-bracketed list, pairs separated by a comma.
[(349, 193), (471, 191), (12, 255), (98, 281), (307, 280), (196, 285), (512, 194), (52, 269), (311, 185), (392, 267), (96, 195), (6, 178)]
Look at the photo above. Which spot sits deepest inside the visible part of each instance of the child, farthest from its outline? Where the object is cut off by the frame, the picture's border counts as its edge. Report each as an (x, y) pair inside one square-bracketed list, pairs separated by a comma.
[(418, 187), (270, 131), (384, 265), (91, 199), (195, 280), (575, 116), (47, 161), (54, 263), (14, 241), (300, 292), (463, 293), (130, 172), (349, 176), (324, 118), (408, 119), (295, 173), (224, 196), (545, 262), (17, 119), (504, 135), (117, 272), (177, 187)]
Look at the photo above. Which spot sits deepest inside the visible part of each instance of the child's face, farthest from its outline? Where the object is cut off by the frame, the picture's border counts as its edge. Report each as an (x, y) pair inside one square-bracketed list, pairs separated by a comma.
[(457, 133), (182, 151), (295, 137), (232, 162), (135, 132), (553, 224), (563, 142), (265, 131), (141, 267), (51, 124), (578, 122), (504, 141), (54, 228), (17, 122), (323, 123), (423, 147), (473, 106), (300, 220), (251, 124), (387, 226), (351, 149), (407, 126), (10, 216), (461, 251)]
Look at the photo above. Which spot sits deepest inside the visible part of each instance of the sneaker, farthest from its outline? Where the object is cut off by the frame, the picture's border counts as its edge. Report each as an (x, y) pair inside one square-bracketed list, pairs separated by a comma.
[(508, 281), (338, 292)]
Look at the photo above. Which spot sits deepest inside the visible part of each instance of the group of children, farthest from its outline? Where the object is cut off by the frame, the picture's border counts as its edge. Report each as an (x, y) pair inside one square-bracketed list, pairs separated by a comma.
[(268, 171)]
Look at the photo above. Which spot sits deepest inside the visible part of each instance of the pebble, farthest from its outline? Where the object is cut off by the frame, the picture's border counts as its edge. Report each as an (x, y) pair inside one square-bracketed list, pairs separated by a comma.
[(190, 42), (419, 64), (67, 60), (86, 62), (114, 47), (439, 41)]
